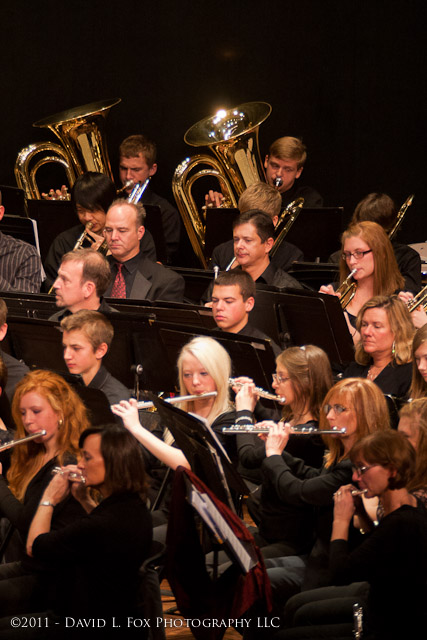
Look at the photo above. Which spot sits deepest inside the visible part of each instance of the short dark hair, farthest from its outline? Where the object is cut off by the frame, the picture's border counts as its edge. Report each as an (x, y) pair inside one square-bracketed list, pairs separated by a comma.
[(123, 459), (95, 268), (95, 326), (133, 145), (3, 312), (93, 191), (261, 221), (376, 207), (389, 449), (240, 278)]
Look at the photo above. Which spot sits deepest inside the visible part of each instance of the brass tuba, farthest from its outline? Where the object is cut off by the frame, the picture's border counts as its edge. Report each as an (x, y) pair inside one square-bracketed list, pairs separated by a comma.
[(82, 134), (233, 137)]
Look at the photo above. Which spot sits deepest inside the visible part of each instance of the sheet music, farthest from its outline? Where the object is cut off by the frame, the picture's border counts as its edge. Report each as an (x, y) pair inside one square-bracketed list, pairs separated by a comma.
[(219, 527)]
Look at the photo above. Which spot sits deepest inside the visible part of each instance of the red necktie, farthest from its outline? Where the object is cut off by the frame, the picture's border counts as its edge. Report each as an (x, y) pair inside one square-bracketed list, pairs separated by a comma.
[(119, 285)]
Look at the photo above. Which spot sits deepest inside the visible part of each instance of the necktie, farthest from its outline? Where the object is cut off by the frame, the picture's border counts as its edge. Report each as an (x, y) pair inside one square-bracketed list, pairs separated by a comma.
[(119, 285)]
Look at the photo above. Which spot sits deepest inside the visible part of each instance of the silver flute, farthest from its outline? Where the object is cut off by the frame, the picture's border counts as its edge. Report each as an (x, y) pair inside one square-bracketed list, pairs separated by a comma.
[(358, 492), (301, 431), (13, 443), (148, 404), (260, 392), (74, 476)]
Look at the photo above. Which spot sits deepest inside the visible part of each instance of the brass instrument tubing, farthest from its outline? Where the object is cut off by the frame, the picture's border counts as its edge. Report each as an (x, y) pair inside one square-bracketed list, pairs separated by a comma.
[(176, 399), (345, 283), (419, 299), (303, 431), (260, 392), (13, 443)]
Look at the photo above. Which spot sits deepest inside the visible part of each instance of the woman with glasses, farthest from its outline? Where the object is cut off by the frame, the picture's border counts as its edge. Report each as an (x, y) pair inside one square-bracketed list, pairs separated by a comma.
[(392, 559), (366, 249), (356, 406), (303, 377), (384, 351)]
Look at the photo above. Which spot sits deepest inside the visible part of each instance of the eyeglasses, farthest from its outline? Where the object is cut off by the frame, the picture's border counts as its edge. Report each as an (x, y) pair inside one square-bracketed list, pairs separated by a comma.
[(336, 408), (357, 255), (361, 470), (279, 379)]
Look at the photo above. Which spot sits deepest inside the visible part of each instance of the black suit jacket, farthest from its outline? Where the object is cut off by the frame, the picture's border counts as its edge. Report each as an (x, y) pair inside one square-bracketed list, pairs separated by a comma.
[(153, 282)]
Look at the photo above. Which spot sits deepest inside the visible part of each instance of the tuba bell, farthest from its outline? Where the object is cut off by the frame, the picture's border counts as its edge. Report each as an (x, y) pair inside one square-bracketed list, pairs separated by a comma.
[(233, 138), (82, 134)]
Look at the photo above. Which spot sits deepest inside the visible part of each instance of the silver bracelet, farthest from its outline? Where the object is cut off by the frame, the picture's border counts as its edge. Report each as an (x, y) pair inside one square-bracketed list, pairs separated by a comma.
[(46, 503)]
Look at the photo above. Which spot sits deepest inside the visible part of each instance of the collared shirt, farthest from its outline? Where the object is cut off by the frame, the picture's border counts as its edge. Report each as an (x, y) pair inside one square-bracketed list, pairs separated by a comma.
[(129, 269), (20, 265), (64, 313)]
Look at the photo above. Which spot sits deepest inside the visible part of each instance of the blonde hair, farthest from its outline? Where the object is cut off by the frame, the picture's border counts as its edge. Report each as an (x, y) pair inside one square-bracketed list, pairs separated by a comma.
[(416, 411), (419, 386), (214, 358), (368, 403), (260, 195), (28, 458), (401, 326), (387, 277), (289, 148), (310, 373)]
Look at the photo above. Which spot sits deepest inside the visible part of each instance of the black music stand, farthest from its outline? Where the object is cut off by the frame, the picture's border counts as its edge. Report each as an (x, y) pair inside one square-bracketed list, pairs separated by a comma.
[(219, 227), (316, 318), (14, 200), (52, 217), (314, 274), (22, 228), (317, 231), (203, 450)]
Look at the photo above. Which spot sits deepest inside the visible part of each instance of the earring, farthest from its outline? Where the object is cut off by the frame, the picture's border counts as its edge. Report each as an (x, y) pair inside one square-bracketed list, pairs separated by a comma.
[(393, 348), (60, 422)]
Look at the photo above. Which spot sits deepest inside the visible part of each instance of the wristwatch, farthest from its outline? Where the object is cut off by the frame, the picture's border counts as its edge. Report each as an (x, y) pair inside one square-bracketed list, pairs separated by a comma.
[(46, 503)]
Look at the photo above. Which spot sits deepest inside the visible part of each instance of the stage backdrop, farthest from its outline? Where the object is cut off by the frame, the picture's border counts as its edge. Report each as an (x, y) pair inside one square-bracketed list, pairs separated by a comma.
[(347, 76)]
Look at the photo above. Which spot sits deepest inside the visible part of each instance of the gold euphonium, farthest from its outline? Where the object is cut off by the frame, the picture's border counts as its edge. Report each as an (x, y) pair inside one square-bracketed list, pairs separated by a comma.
[(233, 138), (82, 134)]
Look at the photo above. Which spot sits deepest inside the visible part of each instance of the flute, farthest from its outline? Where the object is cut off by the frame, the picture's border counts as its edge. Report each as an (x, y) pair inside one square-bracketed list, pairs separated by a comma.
[(75, 476), (260, 392), (359, 492), (148, 404), (13, 443), (301, 431)]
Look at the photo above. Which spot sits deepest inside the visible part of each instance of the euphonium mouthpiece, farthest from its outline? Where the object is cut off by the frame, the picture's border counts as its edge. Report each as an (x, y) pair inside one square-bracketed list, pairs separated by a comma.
[(278, 182)]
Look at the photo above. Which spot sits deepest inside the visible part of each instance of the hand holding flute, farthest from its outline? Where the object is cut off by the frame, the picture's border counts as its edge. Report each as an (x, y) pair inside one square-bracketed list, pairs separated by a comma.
[(277, 438)]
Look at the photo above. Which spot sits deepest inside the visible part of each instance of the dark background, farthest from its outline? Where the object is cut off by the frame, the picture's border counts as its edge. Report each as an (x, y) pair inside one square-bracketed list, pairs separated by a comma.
[(346, 76)]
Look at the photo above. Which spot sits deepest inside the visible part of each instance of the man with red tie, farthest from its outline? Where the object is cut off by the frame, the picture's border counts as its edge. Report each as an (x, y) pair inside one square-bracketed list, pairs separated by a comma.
[(135, 276)]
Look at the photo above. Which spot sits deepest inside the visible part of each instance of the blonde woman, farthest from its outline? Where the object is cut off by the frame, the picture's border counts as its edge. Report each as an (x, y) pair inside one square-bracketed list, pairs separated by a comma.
[(203, 366)]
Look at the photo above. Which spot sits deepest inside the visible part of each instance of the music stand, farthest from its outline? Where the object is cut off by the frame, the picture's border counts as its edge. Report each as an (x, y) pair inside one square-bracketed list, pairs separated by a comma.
[(13, 200), (203, 450), (219, 227), (317, 231), (316, 318)]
